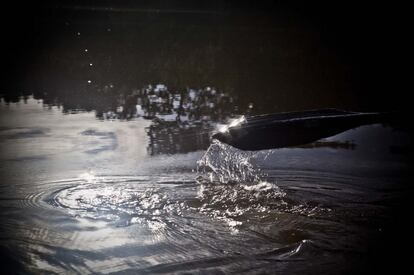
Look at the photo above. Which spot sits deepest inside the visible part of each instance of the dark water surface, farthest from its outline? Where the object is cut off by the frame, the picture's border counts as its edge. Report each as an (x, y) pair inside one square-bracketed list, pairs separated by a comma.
[(84, 195), (106, 165)]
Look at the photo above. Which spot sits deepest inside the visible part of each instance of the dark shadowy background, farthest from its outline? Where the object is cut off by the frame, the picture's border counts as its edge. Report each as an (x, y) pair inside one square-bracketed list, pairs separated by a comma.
[(280, 55)]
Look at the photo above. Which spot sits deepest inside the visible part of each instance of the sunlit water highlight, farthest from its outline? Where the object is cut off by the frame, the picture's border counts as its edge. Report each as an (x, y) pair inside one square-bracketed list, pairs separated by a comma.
[(160, 224), (169, 226), (92, 201)]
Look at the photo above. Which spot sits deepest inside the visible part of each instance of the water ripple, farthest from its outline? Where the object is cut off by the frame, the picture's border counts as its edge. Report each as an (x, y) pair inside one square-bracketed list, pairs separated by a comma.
[(174, 224), (119, 200)]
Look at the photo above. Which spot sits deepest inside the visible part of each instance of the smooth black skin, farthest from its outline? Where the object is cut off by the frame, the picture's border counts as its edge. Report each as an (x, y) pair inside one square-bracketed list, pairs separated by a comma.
[(295, 128)]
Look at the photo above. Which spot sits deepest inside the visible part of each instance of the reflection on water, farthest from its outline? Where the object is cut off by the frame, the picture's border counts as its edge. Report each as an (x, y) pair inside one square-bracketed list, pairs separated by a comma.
[(121, 201), (85, 195), (185, 107), (278, 57), (178, 117), (106, 164)]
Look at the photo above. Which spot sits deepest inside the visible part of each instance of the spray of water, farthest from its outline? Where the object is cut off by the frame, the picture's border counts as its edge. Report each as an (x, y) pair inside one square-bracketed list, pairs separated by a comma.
[(232, 188), (223, 163)]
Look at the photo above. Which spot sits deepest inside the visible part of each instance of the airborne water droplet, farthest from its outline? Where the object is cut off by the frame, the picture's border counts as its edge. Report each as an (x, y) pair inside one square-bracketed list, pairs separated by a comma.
[(225, 164)]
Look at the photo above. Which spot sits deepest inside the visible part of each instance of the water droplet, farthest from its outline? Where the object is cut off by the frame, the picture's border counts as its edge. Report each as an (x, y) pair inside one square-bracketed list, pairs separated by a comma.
[(89, 81), (78, 34), (90, 64), (86, 50)]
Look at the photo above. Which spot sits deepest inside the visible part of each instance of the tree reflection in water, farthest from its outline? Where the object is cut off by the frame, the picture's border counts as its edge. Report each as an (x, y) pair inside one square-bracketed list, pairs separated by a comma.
[(182, 120)]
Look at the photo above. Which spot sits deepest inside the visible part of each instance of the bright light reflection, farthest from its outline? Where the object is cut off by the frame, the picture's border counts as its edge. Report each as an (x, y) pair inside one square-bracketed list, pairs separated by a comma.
[(233, 123), (88, 176)]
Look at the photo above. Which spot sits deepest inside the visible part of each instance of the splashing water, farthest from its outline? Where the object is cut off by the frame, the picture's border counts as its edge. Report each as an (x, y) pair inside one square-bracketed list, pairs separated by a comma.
[(223, 163), (231, 187), (233, 190)]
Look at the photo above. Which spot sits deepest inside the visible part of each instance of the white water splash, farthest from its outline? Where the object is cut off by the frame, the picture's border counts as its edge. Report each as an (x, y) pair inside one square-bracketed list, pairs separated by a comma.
[(223, 163), (231, 186)]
